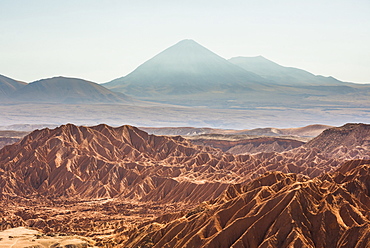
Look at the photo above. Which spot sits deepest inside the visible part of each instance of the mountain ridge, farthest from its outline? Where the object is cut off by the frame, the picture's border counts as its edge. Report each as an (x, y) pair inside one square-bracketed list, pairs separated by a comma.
[(185, 68), (274, 210), (189, 74), (8, 86), (102, 161), (66, 90), (281, 74)]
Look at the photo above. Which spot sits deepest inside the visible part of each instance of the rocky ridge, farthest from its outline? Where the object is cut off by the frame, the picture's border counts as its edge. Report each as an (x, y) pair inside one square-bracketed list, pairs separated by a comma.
[(97, 162), (101, 161), (275, 210)]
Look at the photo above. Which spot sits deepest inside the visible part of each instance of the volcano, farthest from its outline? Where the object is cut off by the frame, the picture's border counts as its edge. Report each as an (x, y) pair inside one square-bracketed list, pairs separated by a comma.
[(186, 68)]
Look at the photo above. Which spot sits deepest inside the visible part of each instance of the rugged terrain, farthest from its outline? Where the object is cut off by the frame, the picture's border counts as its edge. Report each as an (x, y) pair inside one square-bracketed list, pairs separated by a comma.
[(108, 183), (275, 210), (101, 161)]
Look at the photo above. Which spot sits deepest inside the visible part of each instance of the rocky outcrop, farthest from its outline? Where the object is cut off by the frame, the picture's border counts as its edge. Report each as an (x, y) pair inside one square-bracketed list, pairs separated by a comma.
[(101, 161), (342, 139)]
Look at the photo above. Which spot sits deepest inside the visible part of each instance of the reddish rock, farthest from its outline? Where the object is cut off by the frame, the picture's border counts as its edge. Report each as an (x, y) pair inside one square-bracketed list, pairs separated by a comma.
[(277, 210)]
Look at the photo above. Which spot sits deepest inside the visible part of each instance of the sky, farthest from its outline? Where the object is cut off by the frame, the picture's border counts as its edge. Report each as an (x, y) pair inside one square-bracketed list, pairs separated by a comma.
[(102, 40)]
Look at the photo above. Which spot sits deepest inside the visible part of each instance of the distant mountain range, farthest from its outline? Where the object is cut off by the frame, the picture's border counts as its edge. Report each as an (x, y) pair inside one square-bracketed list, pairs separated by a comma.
[(187, 67), (281, 74), (58, 90), (183, 69), (309, 131), (190, 74)]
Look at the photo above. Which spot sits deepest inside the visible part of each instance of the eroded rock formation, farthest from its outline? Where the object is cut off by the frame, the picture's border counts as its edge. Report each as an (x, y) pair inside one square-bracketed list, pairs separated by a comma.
[(121, 186), (276, 210)]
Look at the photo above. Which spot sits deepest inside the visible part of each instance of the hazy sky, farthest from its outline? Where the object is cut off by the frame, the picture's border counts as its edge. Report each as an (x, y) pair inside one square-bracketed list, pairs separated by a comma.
[(100, 40)]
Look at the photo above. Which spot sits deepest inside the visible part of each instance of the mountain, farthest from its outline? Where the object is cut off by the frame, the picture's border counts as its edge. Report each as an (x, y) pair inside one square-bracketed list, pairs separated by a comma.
[(274, 210), (67, 90), (8, 86), (311, 89), (186, 68), (189, 74), (281, 74), (101, 161), (349, 136)]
